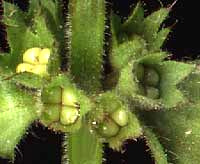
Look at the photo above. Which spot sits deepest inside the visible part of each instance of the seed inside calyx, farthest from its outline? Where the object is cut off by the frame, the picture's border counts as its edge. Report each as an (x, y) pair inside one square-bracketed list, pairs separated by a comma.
[(66, 101), (68, 115), (69, 98), (108, 128), (65, 96), (120, 116)]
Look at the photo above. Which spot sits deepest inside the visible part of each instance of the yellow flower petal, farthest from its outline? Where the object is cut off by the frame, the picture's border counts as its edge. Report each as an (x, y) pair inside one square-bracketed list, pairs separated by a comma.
[(40, 70), (31, 55), (24, 67), (44, 56)]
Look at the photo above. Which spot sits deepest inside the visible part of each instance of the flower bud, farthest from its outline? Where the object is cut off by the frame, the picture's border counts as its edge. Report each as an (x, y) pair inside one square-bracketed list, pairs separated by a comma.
[(68, 115)]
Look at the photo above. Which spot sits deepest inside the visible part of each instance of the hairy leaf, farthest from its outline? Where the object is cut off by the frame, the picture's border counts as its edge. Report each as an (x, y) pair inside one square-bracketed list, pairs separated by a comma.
[(18, 110), (83, 147), (179, 133), (86, 42)]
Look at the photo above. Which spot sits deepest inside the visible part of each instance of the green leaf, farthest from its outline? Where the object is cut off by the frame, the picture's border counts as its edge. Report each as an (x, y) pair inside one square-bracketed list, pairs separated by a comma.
[(82, 147), (190, 86), (171, 73), (86, 40), (159, 40), (153, 59), (115, 25), (52, 12), (13, 18), (152, 23), (179, 132), (134, 23), (127, 84), (18, 110), (143, 103), (127, 51), (155, 147), (29, 80), (5, 64)]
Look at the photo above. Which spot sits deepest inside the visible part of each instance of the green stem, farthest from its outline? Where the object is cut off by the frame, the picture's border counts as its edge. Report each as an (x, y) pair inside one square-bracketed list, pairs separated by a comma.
[(86, 23), (82, 147)]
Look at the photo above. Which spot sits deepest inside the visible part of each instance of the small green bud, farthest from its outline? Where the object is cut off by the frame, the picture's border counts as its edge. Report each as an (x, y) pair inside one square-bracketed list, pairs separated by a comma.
[(108, 128), (152, 93), (151, 77), (52, 95), (68, 115), (69, 97), (120, 116)]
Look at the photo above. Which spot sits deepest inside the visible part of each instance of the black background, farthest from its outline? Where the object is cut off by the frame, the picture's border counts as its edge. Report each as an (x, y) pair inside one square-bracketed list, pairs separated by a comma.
[(42, 146)]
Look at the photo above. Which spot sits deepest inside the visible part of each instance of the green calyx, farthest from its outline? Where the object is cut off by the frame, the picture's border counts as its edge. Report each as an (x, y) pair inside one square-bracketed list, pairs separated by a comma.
[(63, 105), (52, 95), (108, 128), (112, 123), (60, 105)]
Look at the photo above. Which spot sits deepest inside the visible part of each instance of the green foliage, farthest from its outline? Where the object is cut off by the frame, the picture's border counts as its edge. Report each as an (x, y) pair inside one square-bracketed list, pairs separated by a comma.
[(18, 110), (156, 148), (179, 133), (145, 95), (86, 42), (83, 147)]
